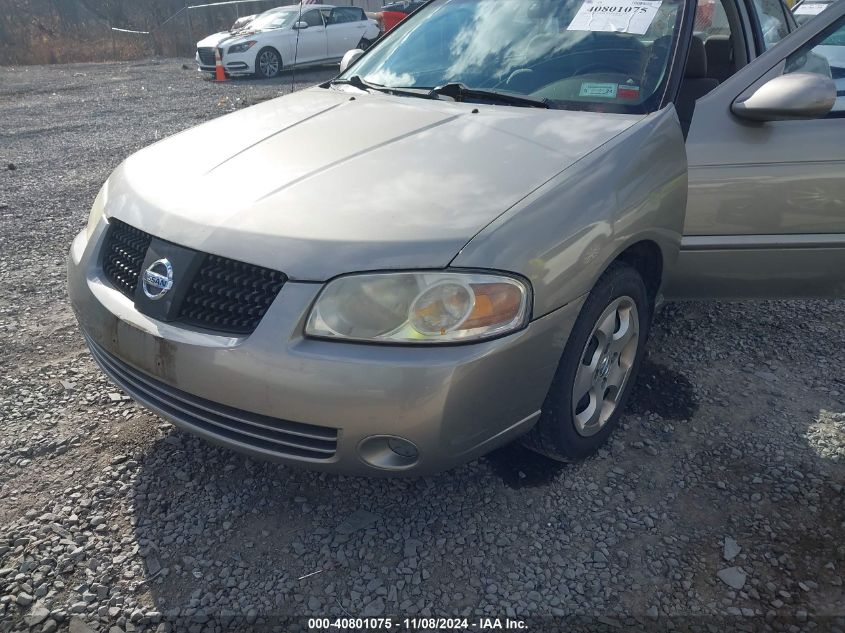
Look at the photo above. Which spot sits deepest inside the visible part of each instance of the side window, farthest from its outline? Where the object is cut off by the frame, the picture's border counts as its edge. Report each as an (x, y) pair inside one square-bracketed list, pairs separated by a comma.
[(713, 28), (313, 18), (772, 21), (710, 19), (824, 54), (341, 15)]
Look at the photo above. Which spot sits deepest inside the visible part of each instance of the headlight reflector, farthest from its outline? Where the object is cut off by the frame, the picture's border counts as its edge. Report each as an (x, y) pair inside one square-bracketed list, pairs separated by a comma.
[(441, 308), (242, 47), (423, 307)]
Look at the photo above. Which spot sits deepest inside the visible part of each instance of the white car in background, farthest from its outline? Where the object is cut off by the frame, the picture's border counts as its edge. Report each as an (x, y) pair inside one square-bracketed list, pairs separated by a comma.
[(289, 36), (832, 48), (808, 9)]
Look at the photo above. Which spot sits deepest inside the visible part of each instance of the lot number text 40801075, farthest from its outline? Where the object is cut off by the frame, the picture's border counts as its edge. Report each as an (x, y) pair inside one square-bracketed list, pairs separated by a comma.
[(415, 624)]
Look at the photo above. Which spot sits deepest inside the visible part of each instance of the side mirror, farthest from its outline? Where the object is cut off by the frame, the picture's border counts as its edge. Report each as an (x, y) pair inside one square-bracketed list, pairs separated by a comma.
[(300, 25), (789, 97), (351, 57)]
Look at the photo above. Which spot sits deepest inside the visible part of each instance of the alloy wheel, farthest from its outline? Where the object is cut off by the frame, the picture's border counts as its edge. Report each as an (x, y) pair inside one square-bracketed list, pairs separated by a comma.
[(606, 364), (268, 64)]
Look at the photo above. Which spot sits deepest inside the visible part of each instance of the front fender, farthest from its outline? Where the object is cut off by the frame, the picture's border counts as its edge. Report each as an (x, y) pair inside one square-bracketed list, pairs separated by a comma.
[(566, 233)]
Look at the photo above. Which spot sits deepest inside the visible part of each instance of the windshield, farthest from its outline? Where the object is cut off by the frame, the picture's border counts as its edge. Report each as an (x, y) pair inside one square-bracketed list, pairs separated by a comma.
[(600, 55), (274, 19)]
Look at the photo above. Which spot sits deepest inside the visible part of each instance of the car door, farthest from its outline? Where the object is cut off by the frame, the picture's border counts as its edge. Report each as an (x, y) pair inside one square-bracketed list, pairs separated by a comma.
[(344, 30), (311, 44), (766, 206)]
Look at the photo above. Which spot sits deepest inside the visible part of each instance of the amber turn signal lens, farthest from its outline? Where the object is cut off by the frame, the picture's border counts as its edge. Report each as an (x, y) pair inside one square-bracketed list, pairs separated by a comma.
[(494, 303)]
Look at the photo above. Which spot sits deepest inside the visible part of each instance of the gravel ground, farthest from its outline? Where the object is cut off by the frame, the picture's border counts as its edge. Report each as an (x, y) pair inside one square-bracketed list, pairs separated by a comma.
[(719, 502)]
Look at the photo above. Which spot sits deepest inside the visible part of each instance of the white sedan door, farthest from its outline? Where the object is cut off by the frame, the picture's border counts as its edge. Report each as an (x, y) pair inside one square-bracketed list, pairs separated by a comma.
[(344, 30), (311, 44)]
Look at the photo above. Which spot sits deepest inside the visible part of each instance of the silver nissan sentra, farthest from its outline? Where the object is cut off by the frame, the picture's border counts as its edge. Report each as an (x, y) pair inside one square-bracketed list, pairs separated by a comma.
[(461, 239)]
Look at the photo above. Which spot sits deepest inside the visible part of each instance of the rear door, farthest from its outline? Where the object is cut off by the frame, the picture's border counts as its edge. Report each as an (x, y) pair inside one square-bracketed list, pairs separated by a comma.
[(766, 206), (345, 28)]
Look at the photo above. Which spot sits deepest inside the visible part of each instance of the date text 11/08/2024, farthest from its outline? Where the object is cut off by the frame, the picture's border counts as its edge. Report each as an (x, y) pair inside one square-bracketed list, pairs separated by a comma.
[(415, 624)]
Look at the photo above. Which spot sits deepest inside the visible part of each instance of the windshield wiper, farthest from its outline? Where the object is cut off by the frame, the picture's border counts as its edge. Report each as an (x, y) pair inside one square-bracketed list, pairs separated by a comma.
[(456, 91), (460, 92), (358, 82)]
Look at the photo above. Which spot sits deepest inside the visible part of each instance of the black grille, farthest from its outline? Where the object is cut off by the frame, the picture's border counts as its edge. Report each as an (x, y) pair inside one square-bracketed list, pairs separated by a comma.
[(224, 294), (206, 56), (229, 295), (235, 427), (124, 253)]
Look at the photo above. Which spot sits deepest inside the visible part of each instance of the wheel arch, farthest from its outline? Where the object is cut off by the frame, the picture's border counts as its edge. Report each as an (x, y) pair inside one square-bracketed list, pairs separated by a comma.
[(276, 50), (647, 258)]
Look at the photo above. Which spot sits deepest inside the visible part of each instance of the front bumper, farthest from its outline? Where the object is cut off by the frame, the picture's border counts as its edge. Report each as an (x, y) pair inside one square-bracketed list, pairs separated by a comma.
[(235, 65), (328, 405)]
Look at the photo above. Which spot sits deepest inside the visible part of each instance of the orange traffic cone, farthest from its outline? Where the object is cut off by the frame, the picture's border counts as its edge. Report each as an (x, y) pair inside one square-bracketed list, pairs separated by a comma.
[(219, 73)]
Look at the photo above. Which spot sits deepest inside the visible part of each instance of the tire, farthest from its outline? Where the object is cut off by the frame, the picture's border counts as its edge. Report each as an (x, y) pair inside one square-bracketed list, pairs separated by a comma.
[(268, 63), (568, 430)]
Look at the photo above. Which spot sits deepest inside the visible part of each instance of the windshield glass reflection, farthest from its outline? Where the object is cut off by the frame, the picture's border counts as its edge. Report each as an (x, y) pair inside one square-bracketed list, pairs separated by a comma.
[(601, 55)]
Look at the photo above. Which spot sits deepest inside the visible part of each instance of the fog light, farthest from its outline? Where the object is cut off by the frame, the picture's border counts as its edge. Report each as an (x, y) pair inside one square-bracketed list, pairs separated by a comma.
[(401, 447), (389, 452)]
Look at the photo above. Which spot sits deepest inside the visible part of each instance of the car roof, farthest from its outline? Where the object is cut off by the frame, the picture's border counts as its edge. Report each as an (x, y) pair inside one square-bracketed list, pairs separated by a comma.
[(296, 7)]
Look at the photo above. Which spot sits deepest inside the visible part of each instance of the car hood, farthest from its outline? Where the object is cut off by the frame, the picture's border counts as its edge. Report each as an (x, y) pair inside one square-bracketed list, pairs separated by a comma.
[(324, 181), (225, 38)]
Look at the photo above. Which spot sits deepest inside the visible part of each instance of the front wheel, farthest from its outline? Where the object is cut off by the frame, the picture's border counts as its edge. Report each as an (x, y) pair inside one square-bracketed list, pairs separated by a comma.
[(597, 370), (268, 63)]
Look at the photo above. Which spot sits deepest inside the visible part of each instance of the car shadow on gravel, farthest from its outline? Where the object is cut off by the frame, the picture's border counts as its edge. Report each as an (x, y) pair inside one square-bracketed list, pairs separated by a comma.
[(286, 78), (519, 467), (659, 390), (212, 523), (663, 391)]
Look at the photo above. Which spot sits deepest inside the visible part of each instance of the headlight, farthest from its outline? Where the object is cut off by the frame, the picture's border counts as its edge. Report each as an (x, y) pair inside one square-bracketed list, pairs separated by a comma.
[(96, 213), (242, 47), (424, 307)]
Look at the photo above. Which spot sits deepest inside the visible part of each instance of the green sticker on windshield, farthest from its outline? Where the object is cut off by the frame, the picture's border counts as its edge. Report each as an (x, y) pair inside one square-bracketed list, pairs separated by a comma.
[(606, 91)]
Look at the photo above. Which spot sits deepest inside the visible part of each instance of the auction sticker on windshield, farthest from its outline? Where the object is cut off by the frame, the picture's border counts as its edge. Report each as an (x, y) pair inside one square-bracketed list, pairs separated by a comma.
[(811, 8), (615, 16)]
